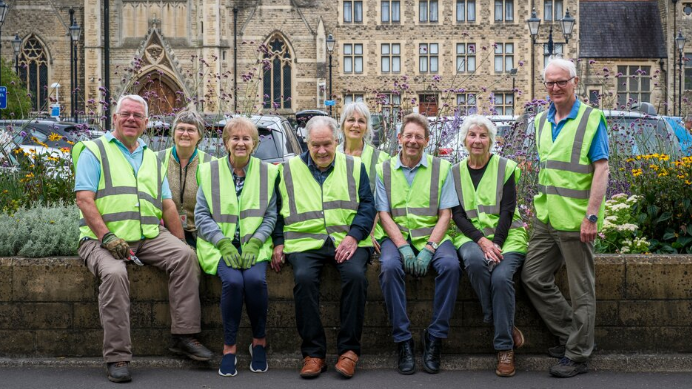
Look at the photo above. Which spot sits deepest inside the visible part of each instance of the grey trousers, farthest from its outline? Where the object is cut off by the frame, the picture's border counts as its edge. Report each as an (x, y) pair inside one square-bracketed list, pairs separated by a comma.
[(165, 252), (573, 322)]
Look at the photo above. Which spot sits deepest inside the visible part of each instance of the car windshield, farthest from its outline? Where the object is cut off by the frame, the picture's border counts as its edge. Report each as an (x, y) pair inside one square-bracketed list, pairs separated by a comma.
[(636, 136)]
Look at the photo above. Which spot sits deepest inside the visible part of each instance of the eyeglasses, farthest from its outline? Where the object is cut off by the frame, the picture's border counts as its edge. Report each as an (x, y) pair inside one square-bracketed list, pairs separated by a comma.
[(181, 130), (411, 137), (127, 115), (560, 84)]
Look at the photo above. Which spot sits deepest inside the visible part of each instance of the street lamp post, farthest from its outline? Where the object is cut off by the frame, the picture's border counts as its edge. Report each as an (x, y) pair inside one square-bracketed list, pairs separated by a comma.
[(566, 24), (16, 46), (675, 20), (3, 12), (74, 39), (680, 40), (330, 49)]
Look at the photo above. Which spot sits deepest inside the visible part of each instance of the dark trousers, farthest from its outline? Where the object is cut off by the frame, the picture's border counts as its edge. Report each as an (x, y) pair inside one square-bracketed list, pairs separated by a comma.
[(249, 285), (307, 267)]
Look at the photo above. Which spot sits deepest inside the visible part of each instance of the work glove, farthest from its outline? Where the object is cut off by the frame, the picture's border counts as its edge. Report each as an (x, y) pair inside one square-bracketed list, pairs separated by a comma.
[(423, 262), (408, 257), (229, 253), (118, 248), (250, 252)]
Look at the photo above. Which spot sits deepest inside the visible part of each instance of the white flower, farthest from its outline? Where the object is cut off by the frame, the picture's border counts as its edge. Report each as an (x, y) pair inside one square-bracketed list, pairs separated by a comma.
[(612, 218), (619, 196), (633, 199), (625, 249), (627, 227), (620, 206)]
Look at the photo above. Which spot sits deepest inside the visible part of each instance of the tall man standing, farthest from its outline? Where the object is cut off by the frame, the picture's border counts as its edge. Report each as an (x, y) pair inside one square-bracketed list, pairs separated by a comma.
[(122, 193), (415, 195), (327, 212), (572, 144)]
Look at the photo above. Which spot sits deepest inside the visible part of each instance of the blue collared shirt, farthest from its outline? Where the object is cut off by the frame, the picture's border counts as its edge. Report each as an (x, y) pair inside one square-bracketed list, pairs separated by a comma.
[(175, 154), (88, 171), (599, 146), (448, 196)]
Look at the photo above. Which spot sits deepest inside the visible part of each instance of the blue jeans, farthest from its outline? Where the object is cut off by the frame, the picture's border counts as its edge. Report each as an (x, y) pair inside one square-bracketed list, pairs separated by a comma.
[(495, 290), (249, 285), (393, 283)]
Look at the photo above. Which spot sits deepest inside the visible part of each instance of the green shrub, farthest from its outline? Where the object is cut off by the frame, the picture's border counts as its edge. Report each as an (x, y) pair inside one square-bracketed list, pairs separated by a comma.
[(40, 231)]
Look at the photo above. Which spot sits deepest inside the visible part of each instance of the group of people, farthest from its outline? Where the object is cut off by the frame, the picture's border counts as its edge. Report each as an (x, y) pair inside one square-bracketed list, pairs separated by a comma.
[(338, 203)]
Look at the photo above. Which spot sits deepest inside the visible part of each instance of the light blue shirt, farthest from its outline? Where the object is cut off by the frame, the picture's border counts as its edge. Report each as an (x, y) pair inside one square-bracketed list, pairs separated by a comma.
[(88, 171), (448, 196), (599, 146)]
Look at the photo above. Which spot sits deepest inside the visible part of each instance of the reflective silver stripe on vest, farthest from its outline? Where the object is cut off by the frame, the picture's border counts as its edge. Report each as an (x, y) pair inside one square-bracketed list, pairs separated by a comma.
[(124, 216), (373, 169), (110, 190), (337, 229), (418, 232), (205, 157), (564, 192), (515, 224), (263, 198), (574, 166), (162, 154), (541, 124), (434, 191), (499, 190), (351, 204), (216, 197), (292, 235)]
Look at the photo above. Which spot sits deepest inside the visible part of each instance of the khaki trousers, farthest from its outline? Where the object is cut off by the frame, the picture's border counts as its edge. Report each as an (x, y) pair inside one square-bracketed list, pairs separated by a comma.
[(165, 252), (572, 323)]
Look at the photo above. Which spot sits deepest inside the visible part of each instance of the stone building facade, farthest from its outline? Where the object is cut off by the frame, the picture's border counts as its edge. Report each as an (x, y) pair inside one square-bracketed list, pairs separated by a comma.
[(222, 56)]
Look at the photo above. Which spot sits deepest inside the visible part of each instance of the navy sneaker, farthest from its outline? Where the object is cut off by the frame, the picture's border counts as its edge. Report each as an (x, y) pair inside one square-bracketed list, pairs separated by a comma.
[(259, 359), (567, 368), (228, 363)]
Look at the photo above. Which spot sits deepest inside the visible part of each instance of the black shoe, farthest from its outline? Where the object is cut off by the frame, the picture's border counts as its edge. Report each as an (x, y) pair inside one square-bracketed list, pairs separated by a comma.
[(567, 368), (431, 353), (407, 362), (191, 347), (119, 371), (557, 351)]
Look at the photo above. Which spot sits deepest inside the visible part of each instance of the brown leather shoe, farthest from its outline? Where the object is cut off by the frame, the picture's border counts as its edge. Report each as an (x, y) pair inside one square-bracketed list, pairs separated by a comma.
[(312, 367), (346, 365), (505, 363), (517, 337)]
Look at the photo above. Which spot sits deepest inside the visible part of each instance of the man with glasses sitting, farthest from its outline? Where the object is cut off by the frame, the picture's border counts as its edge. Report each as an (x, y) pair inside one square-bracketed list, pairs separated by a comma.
[(122, 193), (572, 143)]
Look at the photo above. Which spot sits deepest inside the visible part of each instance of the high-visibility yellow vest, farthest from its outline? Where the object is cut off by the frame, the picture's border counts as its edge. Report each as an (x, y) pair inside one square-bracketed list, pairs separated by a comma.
[(371, 157), (415, 208), (314, 212), (482, 204), (564, 181), (229, 210), (131, 206), (166, 155)]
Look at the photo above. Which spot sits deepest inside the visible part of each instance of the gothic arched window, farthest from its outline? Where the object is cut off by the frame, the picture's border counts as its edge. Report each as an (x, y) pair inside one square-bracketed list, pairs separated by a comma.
[(276, 84), (33, 71)]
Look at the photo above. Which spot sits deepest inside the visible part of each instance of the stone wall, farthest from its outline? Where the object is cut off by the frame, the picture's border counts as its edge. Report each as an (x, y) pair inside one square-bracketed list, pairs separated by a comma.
[(49, 308)]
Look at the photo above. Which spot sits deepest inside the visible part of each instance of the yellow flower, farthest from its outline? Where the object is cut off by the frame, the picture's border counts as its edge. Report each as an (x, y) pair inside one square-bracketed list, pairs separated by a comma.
[(54, 137), (64, 149), (631, 159), (29, 175), (654, 167), (70, 142), (636, 172)]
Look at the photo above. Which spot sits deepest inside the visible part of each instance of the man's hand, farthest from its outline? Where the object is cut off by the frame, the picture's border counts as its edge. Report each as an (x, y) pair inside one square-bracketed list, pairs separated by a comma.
[(588, 231), (118, 248), (346, 249), (250, 252), (423, 262), (278, 258), (491, 251), (408, 257), (229, 253), (375, 244)]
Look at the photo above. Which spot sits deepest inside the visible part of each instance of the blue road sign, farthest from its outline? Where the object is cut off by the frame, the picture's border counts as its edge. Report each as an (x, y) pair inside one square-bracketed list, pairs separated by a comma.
[(55, 110), (328, 103), (3, 97)]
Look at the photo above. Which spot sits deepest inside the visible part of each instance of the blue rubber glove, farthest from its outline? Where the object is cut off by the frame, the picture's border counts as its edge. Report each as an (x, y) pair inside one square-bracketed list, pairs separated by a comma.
[(229, 253), (408, 257), (423, 262), (250, 253)]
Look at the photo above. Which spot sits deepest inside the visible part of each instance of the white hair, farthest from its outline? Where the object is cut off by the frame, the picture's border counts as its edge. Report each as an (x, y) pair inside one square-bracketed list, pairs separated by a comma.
[(321, 121), (478, 121), (562, 64), (136, 98), (361, 108)]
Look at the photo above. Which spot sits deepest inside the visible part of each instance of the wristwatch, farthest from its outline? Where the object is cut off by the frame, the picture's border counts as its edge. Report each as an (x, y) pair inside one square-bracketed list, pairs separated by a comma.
[(592, 218), (434, 245)]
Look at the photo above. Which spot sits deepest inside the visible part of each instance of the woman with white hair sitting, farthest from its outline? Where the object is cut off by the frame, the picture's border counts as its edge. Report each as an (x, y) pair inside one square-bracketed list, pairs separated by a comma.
[(492, 240)]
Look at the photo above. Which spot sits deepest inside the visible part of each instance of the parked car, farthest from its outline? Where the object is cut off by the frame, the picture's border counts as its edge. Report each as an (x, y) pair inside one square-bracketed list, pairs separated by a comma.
[(278, 141), (302, 117)]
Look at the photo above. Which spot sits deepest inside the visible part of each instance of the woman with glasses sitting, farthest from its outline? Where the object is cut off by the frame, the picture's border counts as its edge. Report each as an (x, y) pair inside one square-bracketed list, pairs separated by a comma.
[(181, 162)]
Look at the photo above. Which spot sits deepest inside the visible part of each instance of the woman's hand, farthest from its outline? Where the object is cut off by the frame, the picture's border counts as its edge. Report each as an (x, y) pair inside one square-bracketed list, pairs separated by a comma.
[(492, 251), (278, 258)]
